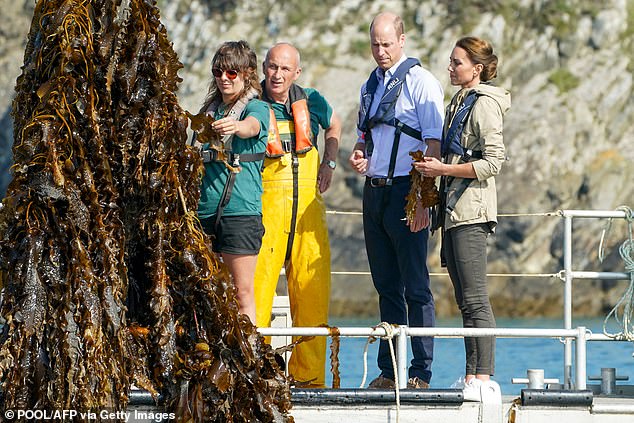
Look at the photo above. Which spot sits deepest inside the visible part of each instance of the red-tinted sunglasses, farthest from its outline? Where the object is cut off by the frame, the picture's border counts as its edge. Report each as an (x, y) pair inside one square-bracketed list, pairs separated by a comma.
[(231, 73)]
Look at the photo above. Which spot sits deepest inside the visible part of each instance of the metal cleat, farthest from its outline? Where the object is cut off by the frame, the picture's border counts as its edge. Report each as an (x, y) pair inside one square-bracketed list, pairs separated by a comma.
[(535, 379), (608, 380)]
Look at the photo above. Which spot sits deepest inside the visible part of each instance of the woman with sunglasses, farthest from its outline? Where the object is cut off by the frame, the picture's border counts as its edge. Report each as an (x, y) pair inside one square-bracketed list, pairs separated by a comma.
[(230, 207)]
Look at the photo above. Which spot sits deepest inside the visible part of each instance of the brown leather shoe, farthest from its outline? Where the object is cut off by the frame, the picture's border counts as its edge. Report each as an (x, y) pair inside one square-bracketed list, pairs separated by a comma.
[(417, 383), (382, 382)]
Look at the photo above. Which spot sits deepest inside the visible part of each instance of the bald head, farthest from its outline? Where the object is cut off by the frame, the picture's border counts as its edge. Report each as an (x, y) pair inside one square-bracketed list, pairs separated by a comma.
[(387, 39), (388, 18), (281, 69), (283, 48)]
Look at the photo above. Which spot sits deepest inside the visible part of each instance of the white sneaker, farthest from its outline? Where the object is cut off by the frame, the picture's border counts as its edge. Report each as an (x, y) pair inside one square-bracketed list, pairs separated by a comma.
[(490, 391), (458, 384), (471, 390)]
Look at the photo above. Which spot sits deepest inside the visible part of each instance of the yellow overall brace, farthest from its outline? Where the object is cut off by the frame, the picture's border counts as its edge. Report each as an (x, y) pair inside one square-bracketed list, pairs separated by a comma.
[(308, 269)]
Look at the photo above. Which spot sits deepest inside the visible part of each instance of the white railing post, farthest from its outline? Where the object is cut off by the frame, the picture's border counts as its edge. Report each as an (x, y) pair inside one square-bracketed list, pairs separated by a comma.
[(569, 276), (401, 360), (567, 299), (580, 362)]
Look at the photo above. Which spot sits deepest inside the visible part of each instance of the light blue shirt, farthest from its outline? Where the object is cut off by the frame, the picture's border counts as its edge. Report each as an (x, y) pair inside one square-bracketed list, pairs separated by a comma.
[(419, 106)]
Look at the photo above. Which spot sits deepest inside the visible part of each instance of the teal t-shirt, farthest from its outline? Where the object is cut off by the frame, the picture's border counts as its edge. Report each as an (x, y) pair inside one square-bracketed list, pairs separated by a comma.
[(246, 195), (320, 111)]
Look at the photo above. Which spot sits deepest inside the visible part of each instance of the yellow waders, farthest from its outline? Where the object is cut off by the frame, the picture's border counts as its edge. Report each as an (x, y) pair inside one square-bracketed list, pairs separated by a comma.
[(308, 270)]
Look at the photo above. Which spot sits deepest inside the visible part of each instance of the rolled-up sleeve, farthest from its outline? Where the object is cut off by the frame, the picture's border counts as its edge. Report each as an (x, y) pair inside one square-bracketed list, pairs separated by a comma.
[(487, 121), (428, 99)]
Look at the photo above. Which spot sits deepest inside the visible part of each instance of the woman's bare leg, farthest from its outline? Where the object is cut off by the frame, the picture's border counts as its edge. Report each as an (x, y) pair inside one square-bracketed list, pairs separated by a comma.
[(242, 268)]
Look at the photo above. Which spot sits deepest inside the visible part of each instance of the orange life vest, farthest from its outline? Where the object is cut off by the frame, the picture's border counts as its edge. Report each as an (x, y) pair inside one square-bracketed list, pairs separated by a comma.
[(300, 126)]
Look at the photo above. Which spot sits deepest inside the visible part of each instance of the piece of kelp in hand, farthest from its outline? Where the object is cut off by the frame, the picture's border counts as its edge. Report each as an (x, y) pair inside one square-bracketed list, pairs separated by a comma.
[(107, 278), (423, 192)]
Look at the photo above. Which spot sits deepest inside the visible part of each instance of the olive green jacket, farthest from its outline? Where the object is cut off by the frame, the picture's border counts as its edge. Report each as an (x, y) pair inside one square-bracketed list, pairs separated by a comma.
[(482, 132)]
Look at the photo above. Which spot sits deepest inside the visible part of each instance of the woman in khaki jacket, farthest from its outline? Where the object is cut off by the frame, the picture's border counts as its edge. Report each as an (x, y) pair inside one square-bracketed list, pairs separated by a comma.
[(473, 152)]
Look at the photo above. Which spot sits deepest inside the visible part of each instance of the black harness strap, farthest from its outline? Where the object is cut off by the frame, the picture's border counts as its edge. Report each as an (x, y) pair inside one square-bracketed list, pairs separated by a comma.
[(445, 182), (451, 142), (295, 93), (408, 130), (451, 145), (438, 216), (212, 155), (236, 159), (393, 154), (224, 198), (291, 234), (385, 114), (390, 171), (386, 109)]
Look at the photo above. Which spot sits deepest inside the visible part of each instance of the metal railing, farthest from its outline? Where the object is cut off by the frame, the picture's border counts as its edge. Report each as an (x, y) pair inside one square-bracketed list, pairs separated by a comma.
[(567, 275), (402, 333)]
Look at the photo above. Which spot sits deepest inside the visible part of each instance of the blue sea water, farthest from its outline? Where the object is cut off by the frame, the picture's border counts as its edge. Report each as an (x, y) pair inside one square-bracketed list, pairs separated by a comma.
[(513, 355)]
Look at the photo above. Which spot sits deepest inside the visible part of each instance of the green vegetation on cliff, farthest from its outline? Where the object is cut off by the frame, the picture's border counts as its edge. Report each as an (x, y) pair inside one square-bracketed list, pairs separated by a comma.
[(564, 80)]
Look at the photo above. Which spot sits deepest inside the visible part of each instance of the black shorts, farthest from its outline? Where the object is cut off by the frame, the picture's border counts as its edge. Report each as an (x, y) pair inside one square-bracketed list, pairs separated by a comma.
[(236, 234)]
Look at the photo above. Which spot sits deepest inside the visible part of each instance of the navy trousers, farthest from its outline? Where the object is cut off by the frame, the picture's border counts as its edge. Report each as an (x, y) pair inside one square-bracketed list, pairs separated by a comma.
[(398, 263)]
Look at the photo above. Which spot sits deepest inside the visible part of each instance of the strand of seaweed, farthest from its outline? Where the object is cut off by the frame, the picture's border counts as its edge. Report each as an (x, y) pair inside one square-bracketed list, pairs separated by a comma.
[(107, 277), (423, 192)]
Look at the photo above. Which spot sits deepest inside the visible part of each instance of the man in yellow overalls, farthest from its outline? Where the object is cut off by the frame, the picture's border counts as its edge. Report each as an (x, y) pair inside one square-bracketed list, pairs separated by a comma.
[(294, 215)]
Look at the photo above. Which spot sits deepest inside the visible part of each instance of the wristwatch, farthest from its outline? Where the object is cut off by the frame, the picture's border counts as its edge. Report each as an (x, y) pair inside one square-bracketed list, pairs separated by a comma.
[(331, 164)]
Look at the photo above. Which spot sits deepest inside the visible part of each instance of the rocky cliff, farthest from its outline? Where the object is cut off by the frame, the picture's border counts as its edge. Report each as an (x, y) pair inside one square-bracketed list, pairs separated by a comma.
[(568, 64)]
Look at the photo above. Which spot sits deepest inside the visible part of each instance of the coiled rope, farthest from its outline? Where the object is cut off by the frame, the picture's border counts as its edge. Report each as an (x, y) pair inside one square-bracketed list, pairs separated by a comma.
[(626, 302), (389, 336)]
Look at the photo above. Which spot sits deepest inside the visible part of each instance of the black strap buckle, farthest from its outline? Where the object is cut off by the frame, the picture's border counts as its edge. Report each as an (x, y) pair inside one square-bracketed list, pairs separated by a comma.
[(208, 155), (466, 156)]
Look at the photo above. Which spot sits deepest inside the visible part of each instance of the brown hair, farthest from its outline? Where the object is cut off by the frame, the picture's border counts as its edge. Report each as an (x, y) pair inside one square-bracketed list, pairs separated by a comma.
[(480, 52), (234, 55)]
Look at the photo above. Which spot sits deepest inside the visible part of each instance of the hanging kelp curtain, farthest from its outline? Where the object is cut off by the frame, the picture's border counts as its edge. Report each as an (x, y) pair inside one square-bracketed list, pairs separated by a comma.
[(107, 277)]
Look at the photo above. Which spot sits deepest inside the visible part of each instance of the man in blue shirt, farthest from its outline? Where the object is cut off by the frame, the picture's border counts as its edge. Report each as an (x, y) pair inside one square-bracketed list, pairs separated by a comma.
[(401, 111)]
